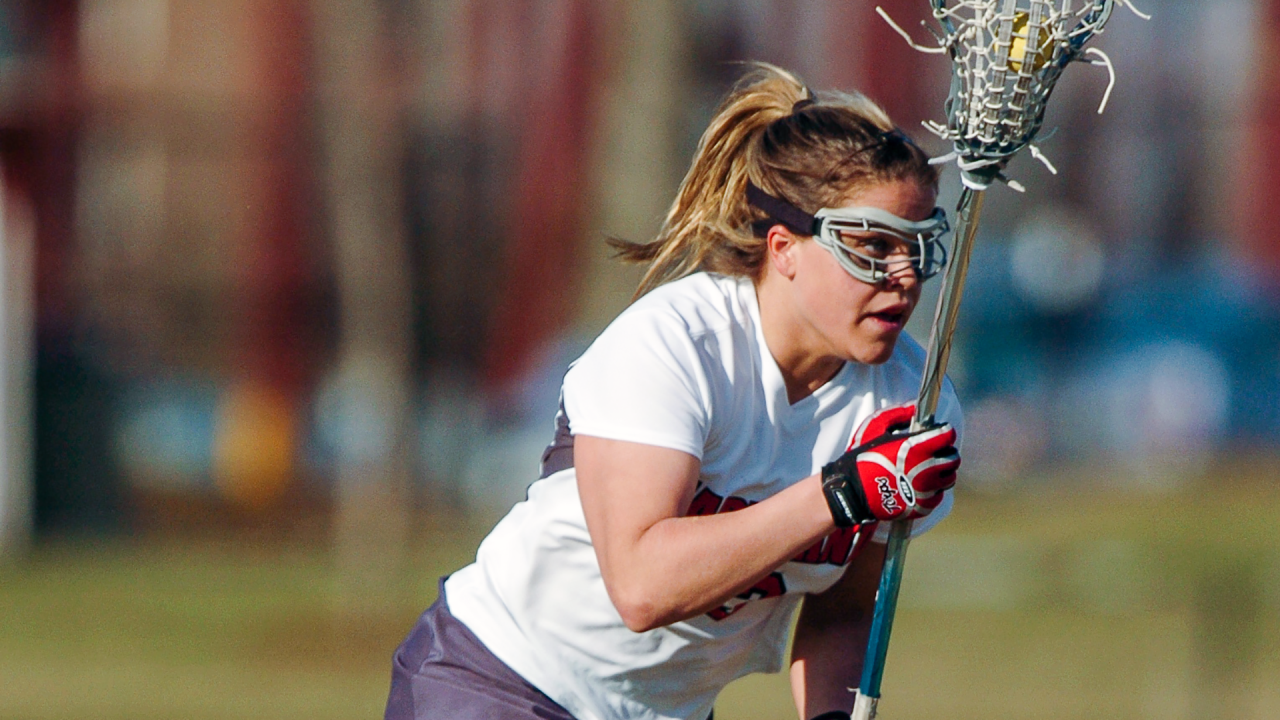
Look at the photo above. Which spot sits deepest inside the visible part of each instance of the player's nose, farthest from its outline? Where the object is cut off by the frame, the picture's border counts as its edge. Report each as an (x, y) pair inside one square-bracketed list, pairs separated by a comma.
[(901, 274)]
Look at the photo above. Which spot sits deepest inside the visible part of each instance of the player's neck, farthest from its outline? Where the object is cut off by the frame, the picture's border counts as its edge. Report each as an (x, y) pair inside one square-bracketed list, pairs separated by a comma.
[(803, 361)]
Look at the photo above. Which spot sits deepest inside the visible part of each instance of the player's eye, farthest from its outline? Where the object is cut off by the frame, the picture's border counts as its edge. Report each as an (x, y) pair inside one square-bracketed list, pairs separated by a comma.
[(872, 247)]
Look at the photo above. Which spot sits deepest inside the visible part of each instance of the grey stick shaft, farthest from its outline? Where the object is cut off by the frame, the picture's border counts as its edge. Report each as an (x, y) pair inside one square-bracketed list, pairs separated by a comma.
[(944, 318), (939, 348)]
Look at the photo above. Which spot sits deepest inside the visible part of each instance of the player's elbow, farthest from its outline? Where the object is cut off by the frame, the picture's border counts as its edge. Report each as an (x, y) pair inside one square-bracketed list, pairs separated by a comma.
[(638, 608), (638, 612), (641, 622)]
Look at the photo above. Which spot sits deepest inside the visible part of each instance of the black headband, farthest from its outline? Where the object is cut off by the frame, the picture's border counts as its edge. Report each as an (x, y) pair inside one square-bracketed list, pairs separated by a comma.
[(895, 133), (786, 214)]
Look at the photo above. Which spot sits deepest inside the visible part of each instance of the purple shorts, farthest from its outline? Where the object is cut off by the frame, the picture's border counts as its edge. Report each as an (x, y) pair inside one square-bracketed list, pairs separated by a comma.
[(443, 672)]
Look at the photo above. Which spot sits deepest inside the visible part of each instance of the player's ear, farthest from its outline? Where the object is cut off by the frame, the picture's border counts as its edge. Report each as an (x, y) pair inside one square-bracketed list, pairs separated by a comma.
[(781, 247)]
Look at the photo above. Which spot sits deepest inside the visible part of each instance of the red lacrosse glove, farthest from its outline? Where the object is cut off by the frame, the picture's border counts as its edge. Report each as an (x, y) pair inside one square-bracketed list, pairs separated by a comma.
[(889, 472)]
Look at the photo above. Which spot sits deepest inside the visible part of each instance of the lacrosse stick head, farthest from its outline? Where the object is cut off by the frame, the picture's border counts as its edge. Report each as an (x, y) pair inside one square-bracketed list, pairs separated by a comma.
[(1006, 57)]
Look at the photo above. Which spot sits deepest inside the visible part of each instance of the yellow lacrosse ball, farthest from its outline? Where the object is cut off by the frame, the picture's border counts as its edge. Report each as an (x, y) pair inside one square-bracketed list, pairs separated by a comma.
[(1018, 48)]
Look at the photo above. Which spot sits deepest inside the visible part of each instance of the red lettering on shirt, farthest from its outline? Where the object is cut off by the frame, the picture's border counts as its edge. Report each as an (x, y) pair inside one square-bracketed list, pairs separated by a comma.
[(835, 549), (704, 503), (771, 586)]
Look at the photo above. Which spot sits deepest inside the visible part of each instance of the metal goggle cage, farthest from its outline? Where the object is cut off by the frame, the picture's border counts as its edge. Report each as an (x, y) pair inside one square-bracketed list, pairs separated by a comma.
[(868, 242)]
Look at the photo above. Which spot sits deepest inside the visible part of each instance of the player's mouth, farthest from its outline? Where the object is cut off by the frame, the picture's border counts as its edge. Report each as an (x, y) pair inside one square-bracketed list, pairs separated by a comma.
[(892, 318)]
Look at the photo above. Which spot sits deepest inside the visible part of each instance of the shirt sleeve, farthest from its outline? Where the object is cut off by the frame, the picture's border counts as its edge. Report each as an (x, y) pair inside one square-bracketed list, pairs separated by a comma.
[(948, 411), (644, 381)]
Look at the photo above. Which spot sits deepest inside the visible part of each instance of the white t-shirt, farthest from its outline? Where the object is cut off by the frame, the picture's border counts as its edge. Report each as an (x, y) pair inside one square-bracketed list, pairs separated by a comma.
[(685, 367)]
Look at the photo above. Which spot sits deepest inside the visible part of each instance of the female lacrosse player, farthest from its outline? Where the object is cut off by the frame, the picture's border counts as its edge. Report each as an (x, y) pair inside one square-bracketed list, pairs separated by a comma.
[(701, 483)]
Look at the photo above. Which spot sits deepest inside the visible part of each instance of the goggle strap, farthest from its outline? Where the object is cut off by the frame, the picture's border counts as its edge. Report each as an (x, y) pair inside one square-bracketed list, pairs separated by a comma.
[(788, 215)]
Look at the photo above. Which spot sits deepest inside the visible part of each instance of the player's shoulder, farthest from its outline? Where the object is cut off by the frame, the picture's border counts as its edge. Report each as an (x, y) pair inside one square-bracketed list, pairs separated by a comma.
[(686, 322), (699, 304)]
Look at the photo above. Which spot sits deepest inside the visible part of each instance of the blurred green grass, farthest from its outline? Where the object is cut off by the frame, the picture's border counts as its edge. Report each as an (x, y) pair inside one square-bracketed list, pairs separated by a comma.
[(203, 628), (1081, 604)]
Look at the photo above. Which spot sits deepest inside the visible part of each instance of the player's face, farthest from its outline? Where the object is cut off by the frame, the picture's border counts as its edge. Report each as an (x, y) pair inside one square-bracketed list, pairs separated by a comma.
[(860, 321)]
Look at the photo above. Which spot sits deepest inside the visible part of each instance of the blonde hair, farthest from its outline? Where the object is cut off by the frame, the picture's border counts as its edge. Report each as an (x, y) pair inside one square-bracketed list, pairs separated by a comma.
[(773, 131)]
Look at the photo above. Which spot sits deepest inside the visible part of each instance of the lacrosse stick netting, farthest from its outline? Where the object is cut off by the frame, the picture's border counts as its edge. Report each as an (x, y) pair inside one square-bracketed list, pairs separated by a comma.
[(1007, 55)]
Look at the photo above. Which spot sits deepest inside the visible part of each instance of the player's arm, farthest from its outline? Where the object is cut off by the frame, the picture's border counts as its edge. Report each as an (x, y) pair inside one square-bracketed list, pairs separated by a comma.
[(661, 567), (831, 638)]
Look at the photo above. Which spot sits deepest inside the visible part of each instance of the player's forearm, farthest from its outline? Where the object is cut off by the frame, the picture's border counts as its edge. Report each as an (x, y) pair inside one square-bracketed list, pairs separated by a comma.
[(681, 567)]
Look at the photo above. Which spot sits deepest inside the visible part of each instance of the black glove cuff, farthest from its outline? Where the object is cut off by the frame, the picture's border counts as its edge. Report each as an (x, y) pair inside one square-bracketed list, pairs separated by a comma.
[(845, 496)]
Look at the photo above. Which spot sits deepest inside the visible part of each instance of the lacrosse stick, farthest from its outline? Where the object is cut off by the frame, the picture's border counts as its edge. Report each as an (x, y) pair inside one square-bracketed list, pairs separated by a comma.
[(1006, 56)]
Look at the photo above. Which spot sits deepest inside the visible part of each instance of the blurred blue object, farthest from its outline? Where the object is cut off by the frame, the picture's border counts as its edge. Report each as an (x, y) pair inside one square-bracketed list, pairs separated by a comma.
[(166, 432), (1177, 362), (1217, 305)]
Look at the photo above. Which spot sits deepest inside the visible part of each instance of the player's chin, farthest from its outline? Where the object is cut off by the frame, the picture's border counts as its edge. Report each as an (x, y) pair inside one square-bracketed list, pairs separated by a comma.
[(876, 351)]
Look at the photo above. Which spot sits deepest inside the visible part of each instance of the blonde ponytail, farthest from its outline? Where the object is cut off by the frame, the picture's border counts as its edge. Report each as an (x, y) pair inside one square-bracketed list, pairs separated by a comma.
[(773, 131)]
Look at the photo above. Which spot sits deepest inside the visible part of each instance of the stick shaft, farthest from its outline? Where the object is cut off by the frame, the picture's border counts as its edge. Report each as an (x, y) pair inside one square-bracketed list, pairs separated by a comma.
[(939, 348), (944, 318), (882, 620)]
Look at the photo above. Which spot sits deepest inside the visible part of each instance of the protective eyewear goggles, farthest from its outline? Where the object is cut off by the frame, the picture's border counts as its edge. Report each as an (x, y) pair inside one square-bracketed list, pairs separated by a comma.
[(871, 244)]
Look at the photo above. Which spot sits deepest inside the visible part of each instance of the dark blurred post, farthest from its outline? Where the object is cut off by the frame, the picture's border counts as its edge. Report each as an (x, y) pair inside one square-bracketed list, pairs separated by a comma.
[(39, 90), (17, 351), (361, 148), (1260, 226)]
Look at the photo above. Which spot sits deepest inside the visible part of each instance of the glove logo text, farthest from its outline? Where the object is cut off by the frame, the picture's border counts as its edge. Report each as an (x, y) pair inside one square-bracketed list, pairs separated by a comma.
[(888, 497)]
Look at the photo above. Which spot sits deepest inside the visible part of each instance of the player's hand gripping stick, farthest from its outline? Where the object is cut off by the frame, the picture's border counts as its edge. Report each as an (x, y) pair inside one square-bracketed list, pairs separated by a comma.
[(891, 471)]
